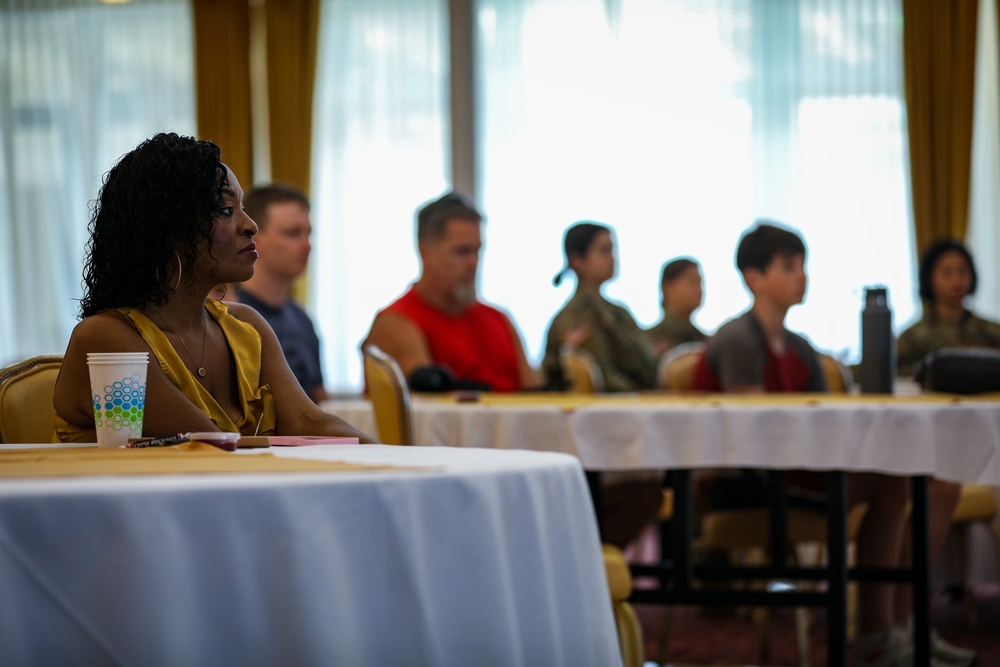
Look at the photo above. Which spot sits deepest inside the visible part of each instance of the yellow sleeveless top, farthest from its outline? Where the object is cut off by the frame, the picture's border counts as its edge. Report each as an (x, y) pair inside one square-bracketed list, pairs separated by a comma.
[(244, 342)]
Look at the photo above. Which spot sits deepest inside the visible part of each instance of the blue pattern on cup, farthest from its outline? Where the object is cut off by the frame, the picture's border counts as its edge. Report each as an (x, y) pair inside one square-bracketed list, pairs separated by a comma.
[(121, 406)]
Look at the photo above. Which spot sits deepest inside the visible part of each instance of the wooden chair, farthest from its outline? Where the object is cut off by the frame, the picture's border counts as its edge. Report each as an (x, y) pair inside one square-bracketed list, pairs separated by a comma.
[(675, 371), (26, 389), (582, 371), (839, 379), (390, 397), (626, 621)]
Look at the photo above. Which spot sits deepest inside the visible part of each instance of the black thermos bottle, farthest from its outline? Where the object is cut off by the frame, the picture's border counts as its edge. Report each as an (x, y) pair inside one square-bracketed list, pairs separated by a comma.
[(878, 348)]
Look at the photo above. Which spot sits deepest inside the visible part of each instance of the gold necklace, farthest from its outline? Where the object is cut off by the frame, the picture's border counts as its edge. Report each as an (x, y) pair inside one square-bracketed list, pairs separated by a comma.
[(204, 343)]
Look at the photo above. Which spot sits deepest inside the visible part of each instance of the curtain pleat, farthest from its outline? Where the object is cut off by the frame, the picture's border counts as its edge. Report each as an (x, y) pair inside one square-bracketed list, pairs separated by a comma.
[(939, 54), (292, 33), (222, 56)]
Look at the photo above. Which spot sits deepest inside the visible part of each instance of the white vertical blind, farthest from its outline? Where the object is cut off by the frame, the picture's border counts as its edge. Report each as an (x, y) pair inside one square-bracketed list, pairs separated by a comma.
[(380, 146), (81, 83)]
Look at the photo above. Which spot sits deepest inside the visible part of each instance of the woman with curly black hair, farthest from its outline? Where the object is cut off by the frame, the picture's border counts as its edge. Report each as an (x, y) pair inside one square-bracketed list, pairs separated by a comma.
[(167, 227)]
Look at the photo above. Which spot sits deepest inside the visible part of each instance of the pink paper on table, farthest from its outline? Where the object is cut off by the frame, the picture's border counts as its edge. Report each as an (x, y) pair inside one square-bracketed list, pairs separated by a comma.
[(299, 440)]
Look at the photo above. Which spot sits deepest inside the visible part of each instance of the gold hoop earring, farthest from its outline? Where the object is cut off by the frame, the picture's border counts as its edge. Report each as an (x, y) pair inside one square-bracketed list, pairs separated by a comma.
[(180, 270)]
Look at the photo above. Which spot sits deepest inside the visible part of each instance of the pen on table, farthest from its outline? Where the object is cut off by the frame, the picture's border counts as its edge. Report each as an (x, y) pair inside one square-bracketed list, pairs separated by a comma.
[(159, 442)]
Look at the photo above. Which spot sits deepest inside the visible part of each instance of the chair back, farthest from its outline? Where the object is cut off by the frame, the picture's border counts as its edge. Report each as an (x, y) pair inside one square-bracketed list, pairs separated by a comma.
[(390, 397), (582, 371), (26, 389), (677, 365), (839, 378)]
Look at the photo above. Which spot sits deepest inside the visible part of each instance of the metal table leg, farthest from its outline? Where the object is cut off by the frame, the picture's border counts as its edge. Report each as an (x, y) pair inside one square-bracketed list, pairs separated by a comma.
[(836, 538)]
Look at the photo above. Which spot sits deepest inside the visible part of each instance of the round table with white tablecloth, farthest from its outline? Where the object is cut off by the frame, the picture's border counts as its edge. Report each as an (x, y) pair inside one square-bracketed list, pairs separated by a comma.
[(450, 557)]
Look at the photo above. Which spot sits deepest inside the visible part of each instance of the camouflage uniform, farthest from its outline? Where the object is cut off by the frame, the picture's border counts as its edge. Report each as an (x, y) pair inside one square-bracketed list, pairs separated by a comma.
[(616, 342), (930, 334), (671, 331)]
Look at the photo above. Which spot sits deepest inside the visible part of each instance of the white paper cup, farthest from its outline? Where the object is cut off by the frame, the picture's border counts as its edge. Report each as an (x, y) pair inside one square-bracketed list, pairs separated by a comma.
[(118, 390)]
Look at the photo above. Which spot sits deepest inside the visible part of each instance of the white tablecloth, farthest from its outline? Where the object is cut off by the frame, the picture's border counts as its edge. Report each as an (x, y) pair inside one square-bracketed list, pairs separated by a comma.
[(492, 558), (958, 440)]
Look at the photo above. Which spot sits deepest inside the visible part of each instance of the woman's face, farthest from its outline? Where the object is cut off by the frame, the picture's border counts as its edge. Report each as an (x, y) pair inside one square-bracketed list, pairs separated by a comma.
[(232, 238), (951, 279), (597, 265)]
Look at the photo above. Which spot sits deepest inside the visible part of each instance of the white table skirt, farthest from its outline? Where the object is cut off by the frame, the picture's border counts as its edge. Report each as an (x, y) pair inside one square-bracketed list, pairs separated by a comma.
[(958, 441), (492, 558)]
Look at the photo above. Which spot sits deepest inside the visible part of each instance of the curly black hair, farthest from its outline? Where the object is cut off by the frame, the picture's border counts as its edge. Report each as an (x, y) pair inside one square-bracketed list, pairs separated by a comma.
[(164, 195)]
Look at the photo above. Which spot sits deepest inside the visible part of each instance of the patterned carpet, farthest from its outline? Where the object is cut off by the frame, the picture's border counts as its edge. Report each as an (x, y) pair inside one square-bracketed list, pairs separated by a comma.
[(725, 637)]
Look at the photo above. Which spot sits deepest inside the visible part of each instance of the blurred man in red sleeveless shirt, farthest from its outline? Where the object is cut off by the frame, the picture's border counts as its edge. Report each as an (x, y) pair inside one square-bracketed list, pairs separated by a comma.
[(439, 321)]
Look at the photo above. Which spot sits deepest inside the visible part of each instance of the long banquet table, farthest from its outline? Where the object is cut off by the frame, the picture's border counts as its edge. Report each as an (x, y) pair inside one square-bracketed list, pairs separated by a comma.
[(947, 437), (449, 557), (944, 436)]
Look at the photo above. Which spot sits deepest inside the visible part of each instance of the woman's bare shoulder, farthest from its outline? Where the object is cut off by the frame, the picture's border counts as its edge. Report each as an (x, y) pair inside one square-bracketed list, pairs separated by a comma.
[(107, 331), (241, 311), (244, 313)]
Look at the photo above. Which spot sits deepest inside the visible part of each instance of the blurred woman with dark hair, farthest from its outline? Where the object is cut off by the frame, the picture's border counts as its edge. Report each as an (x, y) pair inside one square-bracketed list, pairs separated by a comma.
[(947, 276)]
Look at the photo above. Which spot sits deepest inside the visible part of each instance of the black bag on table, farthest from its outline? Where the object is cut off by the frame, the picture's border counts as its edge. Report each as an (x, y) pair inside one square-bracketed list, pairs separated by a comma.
[(960, 370)]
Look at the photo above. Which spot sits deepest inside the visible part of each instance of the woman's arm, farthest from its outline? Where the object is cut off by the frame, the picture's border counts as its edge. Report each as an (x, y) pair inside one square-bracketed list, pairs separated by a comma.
[(296, 413)]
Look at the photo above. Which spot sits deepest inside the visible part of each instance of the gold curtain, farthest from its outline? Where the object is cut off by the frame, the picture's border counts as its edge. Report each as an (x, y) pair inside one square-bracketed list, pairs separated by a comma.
[(292, 36), (939, 56), (223, 83), (222, 73)]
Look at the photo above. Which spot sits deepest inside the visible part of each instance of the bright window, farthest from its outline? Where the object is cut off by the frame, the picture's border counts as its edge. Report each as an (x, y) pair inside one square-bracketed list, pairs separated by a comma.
[(80, 85)]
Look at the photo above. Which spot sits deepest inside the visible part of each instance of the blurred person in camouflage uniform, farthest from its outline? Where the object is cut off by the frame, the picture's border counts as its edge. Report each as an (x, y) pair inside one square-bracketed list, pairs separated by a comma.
[(680, 286), (591, 322), (947, 275)]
